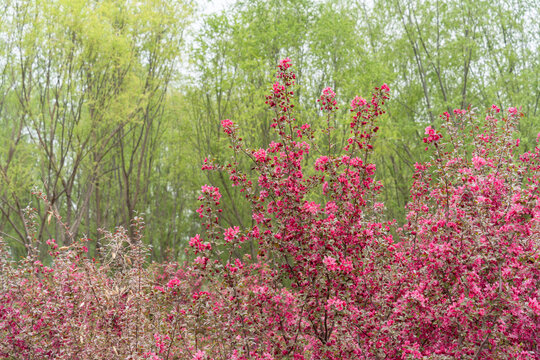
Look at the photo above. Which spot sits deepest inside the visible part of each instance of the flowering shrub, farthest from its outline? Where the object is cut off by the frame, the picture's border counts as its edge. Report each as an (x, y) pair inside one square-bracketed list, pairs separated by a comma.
[(310, 279), (77, 308), (334, 280)]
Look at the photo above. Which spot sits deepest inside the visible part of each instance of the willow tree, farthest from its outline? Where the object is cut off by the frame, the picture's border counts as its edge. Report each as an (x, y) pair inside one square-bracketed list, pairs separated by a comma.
[(82, 89)]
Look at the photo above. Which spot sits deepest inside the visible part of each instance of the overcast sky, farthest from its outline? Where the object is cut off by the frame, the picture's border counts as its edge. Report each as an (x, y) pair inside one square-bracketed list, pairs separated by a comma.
[(212, 6)]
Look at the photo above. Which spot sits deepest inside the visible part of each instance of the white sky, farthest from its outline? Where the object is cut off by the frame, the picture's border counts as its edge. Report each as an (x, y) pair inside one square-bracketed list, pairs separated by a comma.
[(213, 6)]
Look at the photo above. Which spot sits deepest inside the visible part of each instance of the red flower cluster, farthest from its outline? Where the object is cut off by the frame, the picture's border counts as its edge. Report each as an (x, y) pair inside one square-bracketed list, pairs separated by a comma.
[(432, 135), (327, 100)]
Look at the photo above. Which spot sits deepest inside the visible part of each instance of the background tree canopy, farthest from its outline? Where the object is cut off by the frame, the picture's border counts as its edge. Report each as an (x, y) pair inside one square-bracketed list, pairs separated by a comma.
[(109, 108)]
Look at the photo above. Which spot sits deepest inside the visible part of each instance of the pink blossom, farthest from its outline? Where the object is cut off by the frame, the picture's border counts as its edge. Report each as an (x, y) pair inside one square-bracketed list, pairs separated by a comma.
[(320, 162), (358, 102), (230, 233), (260, 155), (160, 342), (478, 162), (211, 191), (284, 64), (330, 263), (199, 355), (311, 207), (278, 88), (327, 100), (201, 260), (52, 243), (173, 282), (152, 356), (512, 110), (228, 126), (534, 305), (197, 243), (346, 266), (336, 303), (207, 165), (433, 136)]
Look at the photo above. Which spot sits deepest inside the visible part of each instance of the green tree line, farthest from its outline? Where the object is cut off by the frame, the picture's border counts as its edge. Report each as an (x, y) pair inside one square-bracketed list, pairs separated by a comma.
[(108, 108)]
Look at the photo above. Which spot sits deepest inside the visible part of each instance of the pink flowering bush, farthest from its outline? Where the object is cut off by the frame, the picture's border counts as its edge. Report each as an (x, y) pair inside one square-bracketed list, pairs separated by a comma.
[(320, 273), (80, 309), (333, 280)]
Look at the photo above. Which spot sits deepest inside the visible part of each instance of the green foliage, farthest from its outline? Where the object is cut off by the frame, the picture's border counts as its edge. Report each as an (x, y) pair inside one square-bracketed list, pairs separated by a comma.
[(84, 88)]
